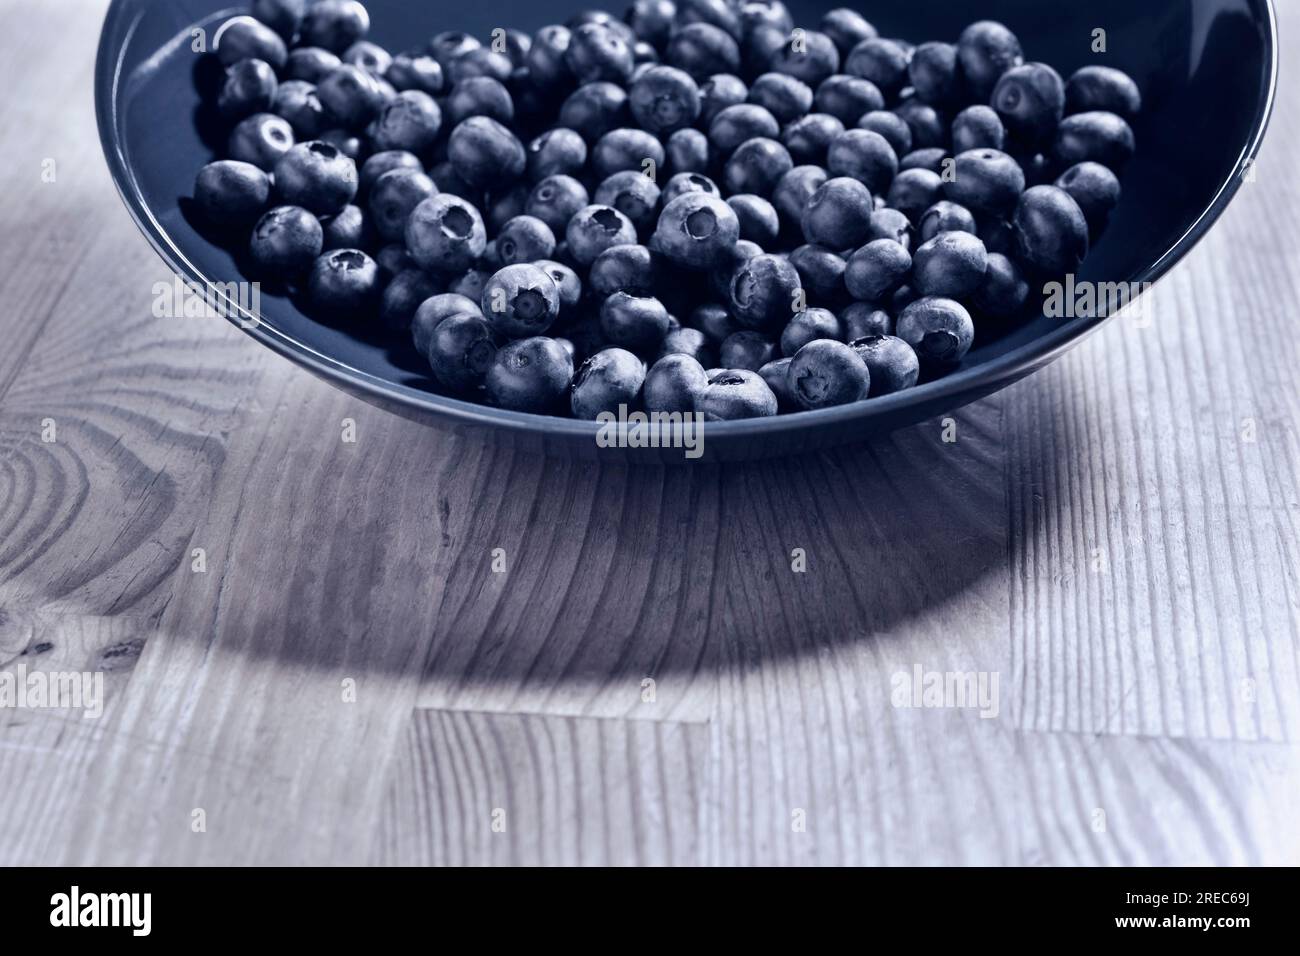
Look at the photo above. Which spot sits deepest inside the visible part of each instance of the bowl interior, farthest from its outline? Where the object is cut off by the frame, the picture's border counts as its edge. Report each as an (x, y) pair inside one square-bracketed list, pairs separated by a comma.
[(1204, 68)]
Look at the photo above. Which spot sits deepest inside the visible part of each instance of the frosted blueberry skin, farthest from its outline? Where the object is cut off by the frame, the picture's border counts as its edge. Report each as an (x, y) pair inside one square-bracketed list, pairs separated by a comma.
[(913, 192), (1004, 291), (349, 228), (433, 310), (479, 63), (838, 214), (598, 53), (296, 101), (627, 268), (344, 283), (626, 149), (282, 16), (351, 95), (891, 363), (371, 57), (756, 167), (1051, 231), (334, 25), (808, 326), (545, 59), (1096, 137), (460, 350), (825, 373), (696, 230), (793, 192), (777, 376), (231, 193), (952, 265), (610, 378), (683, 183), (652, 20), (891, 126), (717, 93), (317, 177), (931, 159), (763, 292), (249, 87), (746, 349), (557, 152), (865, 156), (525, 239), (311, 64), (809, 137), (377, 164), (891, 224), (410, 121), (928, 126), (687, 151), (846, 28), (285, 242), (415, 72), (701, 49), (714, 321), (486, 154), (555, 200), (822, 274), (738, 124), (675, 383), (261, 140), (945, 216), (934, 73), (634, 322), (882, 62), (725, 269), (734, 394), (245, 38), (864, 319), (1030, 100), (520, 300), (977, 127), (759, 221), (939, 330), (1095, 188), (445, 233), (566, 282), (593, 229), (814, 63), (690, 342), (394, 197), (530, 375), (986, 50), (1102, 89), (986, 181), (782, 95), (877, 270), (664, 99)]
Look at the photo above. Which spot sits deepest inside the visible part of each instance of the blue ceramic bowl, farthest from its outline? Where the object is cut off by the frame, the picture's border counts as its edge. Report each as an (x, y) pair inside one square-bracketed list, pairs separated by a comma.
[(1207, 70)]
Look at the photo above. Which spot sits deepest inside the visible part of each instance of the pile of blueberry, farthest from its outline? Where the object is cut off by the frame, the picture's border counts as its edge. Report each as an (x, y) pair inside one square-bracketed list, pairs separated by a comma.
[(697, 208)]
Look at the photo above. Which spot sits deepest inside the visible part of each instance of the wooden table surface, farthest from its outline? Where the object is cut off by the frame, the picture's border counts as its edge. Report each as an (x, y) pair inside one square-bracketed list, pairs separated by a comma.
[(348, 681)]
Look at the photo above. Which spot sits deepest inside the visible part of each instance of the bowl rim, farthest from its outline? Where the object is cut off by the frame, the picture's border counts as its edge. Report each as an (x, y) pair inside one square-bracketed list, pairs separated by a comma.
[(1002, 369)]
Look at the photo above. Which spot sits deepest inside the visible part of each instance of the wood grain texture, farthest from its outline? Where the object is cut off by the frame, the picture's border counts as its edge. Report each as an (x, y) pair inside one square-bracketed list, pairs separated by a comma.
[(650, 678)]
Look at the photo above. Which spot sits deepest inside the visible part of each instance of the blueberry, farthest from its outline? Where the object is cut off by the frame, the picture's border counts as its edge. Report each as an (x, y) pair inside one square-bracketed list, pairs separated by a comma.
[(664, 99), (865, 156), (986, 50), (629, 268), (311, 64), (609, 379), (821, 273), (720, 13), (758, 218), (521, 300), (605, 19), (883, 62), (998, 235), (317, 177), (485, 153), (243, 38), (351, 95), (1051, 231), (555, 200), (566, 282), (877, 269), (863, 319), (928, 126), (635, 322), (379, 163), (446, 46), (410, 121), (838, 213), (480, 96), (687, 151), (985, 181), (825, 373), (260, 140), (701, 49), (402, 296), (763, 292), (809, 137), (718, 92), (445, 233), (934, 73), (479, 63), (346, 229), (695, 230), (1095, 188), (345, 142), (889, 125), (545, 60), (793, 192), (621, 149), (725, 269), (890, 224), (593, 229), (343, 283), (282, 16), (977, 127), (557, 152), (940, 331), (714, 321), (846, 28), (757, 166), (777, 376), (690, 342), (415, 72), (760, 47), (734, 394), (334, 24), (945, 216), (594, 109), (782, 95), (952, 265), (461, 350), (848, 98), (914, 191), (890, 362), (433, 310), (810, 56), (747, 349), (1004, 291), (1030, 100), (1103, 89), (392, 260), (808, 326), (231, 193), (249, 88), (371, 57), (741, 123), (682, 184), (598, 53), (1094, 137), (652, 20), (296, 101), (932, 159), (525, 239), (470, 283), (675, 383)]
